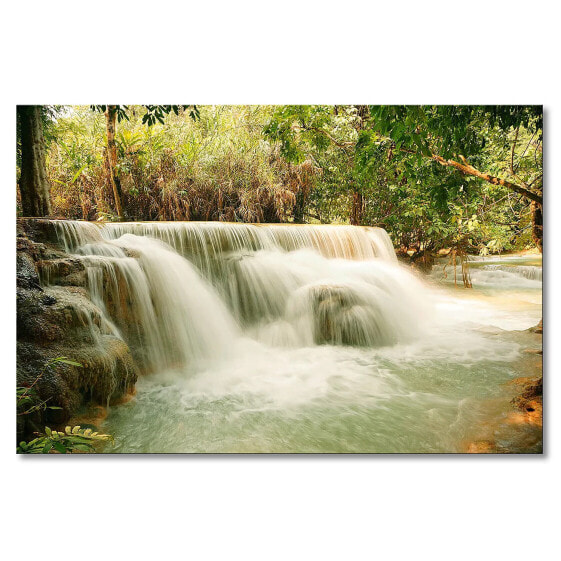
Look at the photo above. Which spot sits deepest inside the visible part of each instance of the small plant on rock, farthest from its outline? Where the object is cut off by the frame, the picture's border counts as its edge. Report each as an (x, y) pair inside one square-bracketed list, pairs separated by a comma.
[(27, 399), (73, 439)]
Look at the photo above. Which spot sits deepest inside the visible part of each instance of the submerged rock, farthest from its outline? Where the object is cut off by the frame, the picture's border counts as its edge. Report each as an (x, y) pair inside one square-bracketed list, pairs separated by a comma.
[(342, 316), (529, 401), (481, 447), (538, 328)]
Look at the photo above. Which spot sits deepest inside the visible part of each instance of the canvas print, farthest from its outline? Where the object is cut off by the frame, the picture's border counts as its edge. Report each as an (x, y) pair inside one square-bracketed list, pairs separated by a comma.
[(279, 279)]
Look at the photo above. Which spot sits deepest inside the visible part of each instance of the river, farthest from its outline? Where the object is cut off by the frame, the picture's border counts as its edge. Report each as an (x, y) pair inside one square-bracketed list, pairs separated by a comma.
[(309, 340)]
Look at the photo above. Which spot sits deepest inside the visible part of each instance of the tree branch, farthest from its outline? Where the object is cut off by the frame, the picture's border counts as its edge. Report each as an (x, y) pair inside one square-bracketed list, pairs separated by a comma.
[(467, 169), (512, 153), (526, 149), (539, 176), (470, 170)]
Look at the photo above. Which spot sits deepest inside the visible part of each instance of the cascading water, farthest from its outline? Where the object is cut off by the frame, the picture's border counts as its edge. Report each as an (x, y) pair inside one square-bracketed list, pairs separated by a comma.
[(289, 338)]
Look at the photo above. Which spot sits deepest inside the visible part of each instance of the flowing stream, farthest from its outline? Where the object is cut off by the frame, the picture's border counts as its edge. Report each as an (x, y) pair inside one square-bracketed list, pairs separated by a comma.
[(277, 338)]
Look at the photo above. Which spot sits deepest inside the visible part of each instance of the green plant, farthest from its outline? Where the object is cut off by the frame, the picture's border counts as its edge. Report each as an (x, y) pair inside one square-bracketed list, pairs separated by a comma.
[(73, 439), (27, 399), (314, 163)]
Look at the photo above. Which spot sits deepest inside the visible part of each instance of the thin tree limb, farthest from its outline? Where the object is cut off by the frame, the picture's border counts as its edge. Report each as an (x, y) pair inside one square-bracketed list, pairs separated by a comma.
[(331, 138), (512, 153)]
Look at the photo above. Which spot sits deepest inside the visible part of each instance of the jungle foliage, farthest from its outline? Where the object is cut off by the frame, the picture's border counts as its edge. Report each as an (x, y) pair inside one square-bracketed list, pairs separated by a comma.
[(397, 161), (432, 176)]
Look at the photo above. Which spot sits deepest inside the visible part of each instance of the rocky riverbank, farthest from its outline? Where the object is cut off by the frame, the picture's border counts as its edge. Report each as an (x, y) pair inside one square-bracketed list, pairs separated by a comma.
[(56, 318), (520, 429)]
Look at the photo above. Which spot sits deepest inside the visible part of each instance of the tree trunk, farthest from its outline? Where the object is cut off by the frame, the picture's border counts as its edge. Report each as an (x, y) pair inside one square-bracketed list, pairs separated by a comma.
[(537, 225), (534, 196), (298, 212), (33, 184), (110, 120), (357, 209)]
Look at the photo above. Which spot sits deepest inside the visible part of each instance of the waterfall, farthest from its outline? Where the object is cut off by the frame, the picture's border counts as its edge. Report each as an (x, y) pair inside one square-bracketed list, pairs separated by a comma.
[(203, 242), (72, 234), (284, 338), (179, 293), (508, 276), (157, 300), (526, 271)]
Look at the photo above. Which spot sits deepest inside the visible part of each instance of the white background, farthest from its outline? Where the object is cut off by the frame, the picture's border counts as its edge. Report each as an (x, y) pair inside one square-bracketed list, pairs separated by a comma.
[(385, 507)]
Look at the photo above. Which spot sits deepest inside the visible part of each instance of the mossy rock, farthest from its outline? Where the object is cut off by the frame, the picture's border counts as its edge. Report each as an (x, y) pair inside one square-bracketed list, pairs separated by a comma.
[(56, 318)]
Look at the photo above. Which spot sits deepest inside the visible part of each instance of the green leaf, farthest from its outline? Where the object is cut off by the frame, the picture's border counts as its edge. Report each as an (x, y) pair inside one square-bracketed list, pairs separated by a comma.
[(65, 360), (59, 447), (78, 173)]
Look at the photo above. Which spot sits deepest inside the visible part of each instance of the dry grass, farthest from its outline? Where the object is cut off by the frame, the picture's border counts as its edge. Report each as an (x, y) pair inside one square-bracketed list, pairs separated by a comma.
[(216, 169)]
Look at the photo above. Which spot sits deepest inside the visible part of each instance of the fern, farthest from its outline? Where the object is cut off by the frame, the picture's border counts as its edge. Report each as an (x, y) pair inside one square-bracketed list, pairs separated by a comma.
[(73, 439)]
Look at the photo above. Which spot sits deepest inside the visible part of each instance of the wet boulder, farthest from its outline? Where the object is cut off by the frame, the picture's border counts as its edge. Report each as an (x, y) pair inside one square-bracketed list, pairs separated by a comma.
[(343, 315), (62, 271)]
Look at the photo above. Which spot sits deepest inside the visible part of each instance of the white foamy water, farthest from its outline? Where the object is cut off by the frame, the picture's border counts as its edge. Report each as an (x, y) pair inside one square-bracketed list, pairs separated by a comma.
[(297, 338)]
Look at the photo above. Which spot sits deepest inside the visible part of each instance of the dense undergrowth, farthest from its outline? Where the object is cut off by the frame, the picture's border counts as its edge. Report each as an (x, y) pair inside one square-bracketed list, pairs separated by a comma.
[(285, 164), (219, 168)]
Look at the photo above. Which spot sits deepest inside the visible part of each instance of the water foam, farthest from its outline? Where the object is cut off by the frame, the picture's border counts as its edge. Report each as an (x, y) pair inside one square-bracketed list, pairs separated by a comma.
[(281, 338)]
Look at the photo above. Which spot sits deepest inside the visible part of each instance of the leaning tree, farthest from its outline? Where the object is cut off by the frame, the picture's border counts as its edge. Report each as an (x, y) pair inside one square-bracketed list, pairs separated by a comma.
[(481, 141)]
